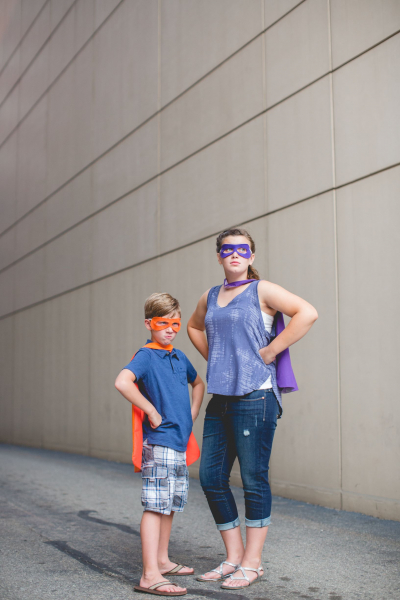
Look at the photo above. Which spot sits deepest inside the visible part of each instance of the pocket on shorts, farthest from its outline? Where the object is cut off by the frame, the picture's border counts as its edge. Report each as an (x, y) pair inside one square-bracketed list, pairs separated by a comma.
[(155, 487), (181, 486), (147, 453)]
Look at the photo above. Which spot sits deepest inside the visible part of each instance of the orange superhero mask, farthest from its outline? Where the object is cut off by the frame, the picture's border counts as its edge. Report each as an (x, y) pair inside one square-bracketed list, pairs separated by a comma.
[(158, 323), (192, 450)]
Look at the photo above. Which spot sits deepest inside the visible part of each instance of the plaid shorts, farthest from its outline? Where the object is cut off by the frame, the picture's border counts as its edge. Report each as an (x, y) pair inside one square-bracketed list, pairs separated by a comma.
[(165, 479)]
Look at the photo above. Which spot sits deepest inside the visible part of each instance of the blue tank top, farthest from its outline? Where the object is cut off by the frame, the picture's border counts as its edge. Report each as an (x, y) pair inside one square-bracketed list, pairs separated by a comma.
[(235, 334)]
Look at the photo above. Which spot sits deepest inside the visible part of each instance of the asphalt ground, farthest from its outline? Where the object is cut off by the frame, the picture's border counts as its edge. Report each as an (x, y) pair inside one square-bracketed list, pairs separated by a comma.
[(69, 529)]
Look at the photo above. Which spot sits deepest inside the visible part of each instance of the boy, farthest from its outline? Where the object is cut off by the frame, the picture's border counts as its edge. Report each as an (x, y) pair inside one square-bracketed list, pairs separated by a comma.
[(162, 374)]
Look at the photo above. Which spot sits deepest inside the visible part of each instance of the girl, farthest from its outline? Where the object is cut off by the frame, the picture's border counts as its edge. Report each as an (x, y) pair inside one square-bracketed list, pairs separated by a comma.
[(245, 335)]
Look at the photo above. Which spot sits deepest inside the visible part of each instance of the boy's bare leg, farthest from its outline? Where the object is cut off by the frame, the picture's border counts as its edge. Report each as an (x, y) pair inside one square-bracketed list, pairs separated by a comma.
[(150, 529), (164, 563), (232, 539)]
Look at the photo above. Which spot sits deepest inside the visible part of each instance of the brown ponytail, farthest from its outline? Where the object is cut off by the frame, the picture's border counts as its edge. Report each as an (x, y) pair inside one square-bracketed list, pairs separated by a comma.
[(252, 273)]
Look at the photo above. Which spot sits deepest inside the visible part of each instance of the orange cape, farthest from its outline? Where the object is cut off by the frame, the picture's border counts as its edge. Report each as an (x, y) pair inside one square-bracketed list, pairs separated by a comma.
[(192, 450)]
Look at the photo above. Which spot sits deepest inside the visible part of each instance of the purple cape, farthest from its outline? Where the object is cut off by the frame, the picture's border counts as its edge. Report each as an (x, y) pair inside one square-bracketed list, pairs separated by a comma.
[(284, 373)]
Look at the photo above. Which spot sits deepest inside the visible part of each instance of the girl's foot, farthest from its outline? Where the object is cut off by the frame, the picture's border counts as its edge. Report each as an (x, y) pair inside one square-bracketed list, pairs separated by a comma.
[(220, 573), (240, 581)]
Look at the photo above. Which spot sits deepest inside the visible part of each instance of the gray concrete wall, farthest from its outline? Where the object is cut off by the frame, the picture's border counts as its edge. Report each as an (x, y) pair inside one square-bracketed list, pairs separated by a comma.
[(131, 132)]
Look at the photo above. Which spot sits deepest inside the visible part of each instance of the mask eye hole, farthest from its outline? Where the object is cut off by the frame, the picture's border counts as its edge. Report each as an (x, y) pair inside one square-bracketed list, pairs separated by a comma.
[(175, 324), (242, 250), (226, 250), (162, 323)]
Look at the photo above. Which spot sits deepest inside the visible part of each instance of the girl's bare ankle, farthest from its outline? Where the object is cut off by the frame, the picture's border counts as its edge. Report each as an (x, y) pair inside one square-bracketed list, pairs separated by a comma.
[(235, 560), (253, 563)]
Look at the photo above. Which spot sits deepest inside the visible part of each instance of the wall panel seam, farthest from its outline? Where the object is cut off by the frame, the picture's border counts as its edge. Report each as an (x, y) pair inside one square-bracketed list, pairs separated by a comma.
[(22, 39), (158, 176), (158, 214), (46, 91), (31, 63), (264, 124), (95, 32), (305, 485), (89, 444), (333, 491), (371, 497), (89, 165), (198, 240), (335, 241), (138, 126)]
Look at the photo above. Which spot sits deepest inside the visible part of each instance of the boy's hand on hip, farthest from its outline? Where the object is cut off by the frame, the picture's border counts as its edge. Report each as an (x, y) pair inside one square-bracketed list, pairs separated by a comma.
[(155, 419)]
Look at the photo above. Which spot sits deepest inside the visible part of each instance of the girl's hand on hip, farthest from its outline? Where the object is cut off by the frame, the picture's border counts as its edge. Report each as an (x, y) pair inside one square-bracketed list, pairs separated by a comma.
[(267, 356)]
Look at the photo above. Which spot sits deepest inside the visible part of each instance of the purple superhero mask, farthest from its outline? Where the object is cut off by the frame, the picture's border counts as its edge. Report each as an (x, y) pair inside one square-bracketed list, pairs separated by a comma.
[(241, 249)]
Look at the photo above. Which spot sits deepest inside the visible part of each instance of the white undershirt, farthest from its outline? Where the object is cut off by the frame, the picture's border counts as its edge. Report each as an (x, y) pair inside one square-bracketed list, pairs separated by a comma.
[(268, 322)]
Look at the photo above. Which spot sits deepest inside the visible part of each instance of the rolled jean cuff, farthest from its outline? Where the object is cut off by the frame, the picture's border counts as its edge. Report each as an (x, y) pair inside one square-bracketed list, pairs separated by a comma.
[(231, 525), (258, 522)]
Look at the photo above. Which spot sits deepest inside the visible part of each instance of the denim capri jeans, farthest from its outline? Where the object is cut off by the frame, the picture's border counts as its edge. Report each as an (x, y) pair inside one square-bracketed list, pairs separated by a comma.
[(243, 427)]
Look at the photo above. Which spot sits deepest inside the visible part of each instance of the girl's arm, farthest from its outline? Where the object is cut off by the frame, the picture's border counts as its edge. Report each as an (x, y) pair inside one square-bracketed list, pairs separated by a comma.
[(302, 314), (196, 327), (125, 384), (197, 396)]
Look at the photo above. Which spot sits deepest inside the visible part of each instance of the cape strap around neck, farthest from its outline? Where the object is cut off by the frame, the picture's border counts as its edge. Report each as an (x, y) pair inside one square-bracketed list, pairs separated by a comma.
[(156, 346), (234, 284)]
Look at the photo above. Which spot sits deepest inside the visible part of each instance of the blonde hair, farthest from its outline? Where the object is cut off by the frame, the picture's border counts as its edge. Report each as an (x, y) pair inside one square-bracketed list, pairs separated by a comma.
[(252, 273), (159, 305)]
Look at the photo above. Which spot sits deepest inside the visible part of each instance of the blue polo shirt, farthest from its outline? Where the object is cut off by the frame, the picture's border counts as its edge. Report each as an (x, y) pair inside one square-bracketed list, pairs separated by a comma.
[(163, 379)]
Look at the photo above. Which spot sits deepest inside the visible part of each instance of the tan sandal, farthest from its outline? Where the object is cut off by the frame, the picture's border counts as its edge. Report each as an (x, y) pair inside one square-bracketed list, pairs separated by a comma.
[(175, 571), (220, 572), (244, 576), (153, 589)]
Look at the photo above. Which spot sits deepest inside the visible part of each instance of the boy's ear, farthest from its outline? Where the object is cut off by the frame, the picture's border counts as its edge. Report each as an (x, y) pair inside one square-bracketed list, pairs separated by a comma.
[(147, 324)]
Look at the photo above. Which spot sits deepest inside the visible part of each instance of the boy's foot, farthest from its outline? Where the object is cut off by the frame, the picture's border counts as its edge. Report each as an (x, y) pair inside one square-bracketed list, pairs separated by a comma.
[(175, 569), (155, 589), (220, 573), (160, 587)]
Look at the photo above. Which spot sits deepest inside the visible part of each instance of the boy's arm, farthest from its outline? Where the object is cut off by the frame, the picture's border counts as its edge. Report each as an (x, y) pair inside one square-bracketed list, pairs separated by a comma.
[(125, 384), (197, 396)]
